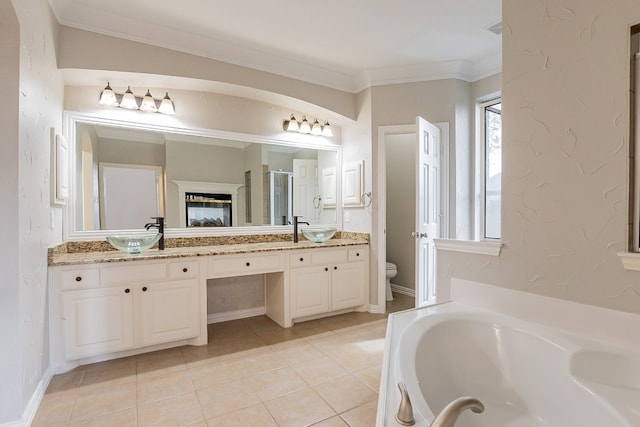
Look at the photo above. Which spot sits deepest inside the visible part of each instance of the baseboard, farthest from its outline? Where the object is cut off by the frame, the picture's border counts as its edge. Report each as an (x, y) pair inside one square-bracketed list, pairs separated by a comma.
[(402, 290), (376, 309), (235, 315), (30, 411)]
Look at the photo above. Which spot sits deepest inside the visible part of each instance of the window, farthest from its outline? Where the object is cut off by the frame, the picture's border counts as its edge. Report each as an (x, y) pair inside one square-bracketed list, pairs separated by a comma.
[(490, 176)]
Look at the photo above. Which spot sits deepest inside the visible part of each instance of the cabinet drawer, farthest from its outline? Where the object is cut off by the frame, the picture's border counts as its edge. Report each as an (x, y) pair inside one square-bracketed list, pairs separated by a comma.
[(358, 254), (300, 260), (80, 278), (331, 256), (183, 269), (133, 273), (243, 265)]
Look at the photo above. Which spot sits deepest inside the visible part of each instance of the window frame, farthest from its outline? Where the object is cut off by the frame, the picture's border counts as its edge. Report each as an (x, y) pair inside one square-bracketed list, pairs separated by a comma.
[(481, 158)]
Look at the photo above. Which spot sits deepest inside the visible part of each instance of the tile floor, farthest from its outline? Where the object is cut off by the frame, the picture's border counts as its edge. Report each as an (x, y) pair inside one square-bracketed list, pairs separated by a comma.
[(324, 372)]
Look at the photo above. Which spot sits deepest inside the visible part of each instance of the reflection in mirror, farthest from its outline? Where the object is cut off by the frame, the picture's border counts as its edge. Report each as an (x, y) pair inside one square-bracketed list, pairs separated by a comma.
[(124, 175)]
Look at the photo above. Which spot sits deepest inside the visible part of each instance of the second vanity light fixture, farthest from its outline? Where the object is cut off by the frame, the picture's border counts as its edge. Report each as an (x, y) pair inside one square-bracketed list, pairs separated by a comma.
[(130, 102), (292, 125)]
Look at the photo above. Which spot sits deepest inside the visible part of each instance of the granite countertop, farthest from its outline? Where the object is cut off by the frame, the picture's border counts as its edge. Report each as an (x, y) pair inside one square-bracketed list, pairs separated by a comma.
[(65, 254)]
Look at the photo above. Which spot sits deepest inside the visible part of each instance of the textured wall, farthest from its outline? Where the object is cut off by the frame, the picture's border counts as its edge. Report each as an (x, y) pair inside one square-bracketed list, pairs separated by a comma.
[(235, 293), (565, 160), (38, 106)]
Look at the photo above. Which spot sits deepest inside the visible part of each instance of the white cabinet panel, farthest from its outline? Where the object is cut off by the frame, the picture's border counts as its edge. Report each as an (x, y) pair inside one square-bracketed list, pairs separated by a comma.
[(347, 285), (97, 321), (169, 311), (132, 273), (310, 289), (242, 265)]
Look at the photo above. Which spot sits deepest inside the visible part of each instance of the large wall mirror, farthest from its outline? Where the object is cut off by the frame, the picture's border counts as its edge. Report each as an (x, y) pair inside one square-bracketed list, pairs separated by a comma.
[(201, 181)]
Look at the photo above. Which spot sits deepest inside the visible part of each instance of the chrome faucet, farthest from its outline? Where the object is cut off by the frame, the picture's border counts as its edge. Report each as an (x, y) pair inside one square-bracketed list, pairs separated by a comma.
[(296, 222), (448, 416), (159, 224)]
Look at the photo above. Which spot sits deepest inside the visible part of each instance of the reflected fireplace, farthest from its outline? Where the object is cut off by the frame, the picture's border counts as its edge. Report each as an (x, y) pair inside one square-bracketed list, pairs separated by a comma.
[(208, 210)]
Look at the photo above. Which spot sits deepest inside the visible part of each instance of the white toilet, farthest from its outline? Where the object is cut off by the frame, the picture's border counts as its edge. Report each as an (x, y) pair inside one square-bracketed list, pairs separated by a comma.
[(392, 271)]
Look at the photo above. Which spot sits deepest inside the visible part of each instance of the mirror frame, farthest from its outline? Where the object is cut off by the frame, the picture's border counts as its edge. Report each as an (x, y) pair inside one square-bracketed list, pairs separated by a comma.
[(71, 118)]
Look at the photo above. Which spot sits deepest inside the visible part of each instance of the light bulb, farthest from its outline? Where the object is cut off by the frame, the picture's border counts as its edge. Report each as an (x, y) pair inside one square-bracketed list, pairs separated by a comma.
[(148, 103), (291, 125), (316, 129), (166, 106), (304, 126), (326, 129), (129, 100), (108, 97)]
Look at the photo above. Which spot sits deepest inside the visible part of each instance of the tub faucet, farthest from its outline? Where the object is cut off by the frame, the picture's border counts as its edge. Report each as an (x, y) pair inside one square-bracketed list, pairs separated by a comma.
[(405, 410), (448, 416), (159, 224), (296, 222)]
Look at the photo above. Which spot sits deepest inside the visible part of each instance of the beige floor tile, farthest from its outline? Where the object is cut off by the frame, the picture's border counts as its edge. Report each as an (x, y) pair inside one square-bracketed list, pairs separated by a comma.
[(163, 386), (354, 360), (329, 344), (119, 374), (311, 329), (362, 416), (64, 382), (214, 373), (277, 382), (125, 418), (257, 415), (319, 370), (345, 393), (55, 409), (299, 409), (224, 398), (333, 422), (180, 410), (109, 365), (301, 354), (103, 398), (370, 376), (160, 363), (251, 366)]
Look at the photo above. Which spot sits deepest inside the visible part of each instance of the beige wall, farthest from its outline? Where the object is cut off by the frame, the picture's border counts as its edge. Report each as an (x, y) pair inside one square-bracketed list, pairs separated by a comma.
[(400, 153), (565, 157), (91, 51)]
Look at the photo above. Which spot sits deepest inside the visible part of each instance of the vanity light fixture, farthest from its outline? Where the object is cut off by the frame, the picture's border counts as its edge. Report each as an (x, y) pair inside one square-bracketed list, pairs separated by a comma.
[(148, 103), (108, 97), (304, 126), (292, 125), (129, 101)]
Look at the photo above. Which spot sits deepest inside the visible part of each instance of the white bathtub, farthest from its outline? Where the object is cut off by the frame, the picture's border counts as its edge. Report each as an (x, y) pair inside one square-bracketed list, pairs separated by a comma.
[(527, 372)]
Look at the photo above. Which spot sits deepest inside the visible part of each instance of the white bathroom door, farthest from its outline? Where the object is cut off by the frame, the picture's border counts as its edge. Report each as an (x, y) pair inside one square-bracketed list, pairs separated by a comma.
[(305, 189), (428, 150)]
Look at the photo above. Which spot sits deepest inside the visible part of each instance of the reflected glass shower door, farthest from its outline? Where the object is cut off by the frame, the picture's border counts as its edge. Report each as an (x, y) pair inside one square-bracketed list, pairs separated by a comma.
[(280, 197)]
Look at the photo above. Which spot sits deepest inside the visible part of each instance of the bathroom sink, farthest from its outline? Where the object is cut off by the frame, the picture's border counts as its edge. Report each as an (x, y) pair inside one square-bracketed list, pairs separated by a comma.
[(319, 236), (134, 243)]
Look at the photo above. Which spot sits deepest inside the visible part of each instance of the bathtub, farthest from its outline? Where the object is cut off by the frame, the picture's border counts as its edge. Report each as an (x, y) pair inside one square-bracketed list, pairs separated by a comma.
[(529, 363)]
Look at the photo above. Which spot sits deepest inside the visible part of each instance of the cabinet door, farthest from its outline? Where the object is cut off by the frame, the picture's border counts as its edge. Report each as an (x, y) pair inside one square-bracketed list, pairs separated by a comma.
[(97, 321), (169, 311), (347, 285), (310, 291)]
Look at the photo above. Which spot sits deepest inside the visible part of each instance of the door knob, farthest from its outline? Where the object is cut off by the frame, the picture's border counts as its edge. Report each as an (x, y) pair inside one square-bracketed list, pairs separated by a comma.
[(418, 234)]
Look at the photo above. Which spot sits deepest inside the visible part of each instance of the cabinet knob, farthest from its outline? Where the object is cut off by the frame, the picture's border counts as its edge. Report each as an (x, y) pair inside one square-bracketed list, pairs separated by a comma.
[(248, 264), (78, 278), (144, 289), (335, 267), (126, 291), (301, 259), (184, 270), (326, 269), (357, 253)]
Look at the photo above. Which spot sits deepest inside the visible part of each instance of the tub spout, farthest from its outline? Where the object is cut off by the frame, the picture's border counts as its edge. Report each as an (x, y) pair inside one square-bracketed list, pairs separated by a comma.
[(448, 416), (405, 411)]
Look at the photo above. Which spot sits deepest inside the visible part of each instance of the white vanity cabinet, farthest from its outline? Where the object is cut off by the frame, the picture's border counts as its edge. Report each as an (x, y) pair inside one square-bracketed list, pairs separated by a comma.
[(109, 308), (327, 280)]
